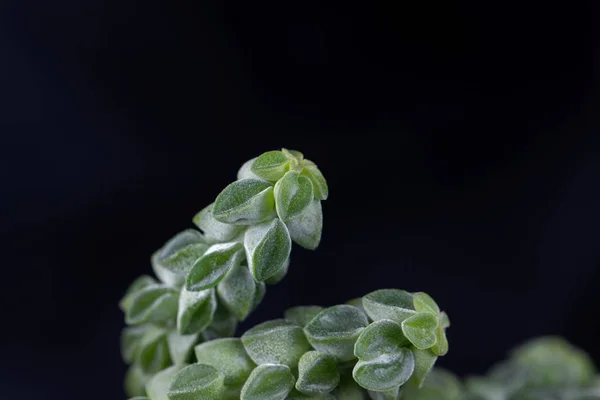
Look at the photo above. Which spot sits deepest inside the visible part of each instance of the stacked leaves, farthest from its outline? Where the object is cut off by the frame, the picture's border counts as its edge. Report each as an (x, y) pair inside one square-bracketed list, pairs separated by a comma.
[(208, 280), (372, 347)]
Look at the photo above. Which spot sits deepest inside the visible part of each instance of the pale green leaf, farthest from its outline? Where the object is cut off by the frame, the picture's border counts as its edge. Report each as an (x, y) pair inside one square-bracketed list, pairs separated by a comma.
[(302, 315), (424, 362), (271, 165), (223, 325), (423, 303), (440, 347), (153, 354), (384, 361), (228, 356), (278, 277), (195, 311), (421, 330), (335, 329), (208, 271), (154, 303), (137, 285), (444, 320), (197, 382), (291, 154), (391, 394), (275, 342), (130, 341), (139, 398), (181, 346), (245, 171), (348, 389), (321, 191), (215, 231), (237, 291), (158, 386), (306, 227), (268, 246), (135, 381), (358, 303), (165, 275), (268, 382), (245, 202), (393, 304), (317, 373), (293, 193), (259, 294)]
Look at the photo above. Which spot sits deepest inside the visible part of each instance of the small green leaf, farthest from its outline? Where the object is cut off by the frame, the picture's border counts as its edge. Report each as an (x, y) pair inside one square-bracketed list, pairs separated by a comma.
[(153, 355), (259, 294), (245, 171), (306, 227), (271, 165), (245, 202), (301, 315), (208, 271), (391, 394), (228, 356), (423, 303), (268, 246), (293, 193), (215, 231), (179, 241), (237, 291), (278, 277), (165, 275), (291, 154), (195, 311), (182, 260), (335, 330), (155, 303), (393, 304), (135, 381), (158, 386), (317, 373), (268, 382), (311, 171), (130, 341), (384, 361), (197, 382), (223, 325), (421, 329), (440, 347), (181, 346), (444, 320), (424, 362), (137, 285), (275, 342)]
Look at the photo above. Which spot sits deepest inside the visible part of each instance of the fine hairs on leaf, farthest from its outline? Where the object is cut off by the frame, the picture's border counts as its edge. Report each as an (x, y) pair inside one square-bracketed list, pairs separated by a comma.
[(180, 344)]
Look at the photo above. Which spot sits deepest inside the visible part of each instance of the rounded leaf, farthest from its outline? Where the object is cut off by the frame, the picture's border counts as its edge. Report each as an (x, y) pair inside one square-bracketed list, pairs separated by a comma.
[(165, 275), (278, 277), (293, 193), (268, 246), (157, 387), (181, 346), (424, 362), (179, 241), (335, 330), (301, 315), (228, 356), (130, 341), (208, 271), (181, 261), (245, 171), (215, 231), (245, 202), (271, 165), (155, 303), (275, 342), (197, 382), (195, 311), (153, 354), (268, 382), (317, 373), (393, 304), (421, 330), (384, 361), (306, 227), (423, 303), (440, 347), (293, 154), (236, 291), (137, 285), (321, 191)]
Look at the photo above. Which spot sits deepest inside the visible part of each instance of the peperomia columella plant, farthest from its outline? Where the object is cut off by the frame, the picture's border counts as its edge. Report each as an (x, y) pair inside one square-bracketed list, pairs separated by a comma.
[(179, 339)]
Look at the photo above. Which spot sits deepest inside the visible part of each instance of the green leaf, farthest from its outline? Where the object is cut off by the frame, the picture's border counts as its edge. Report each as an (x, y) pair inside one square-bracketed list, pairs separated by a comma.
[(137, 285), (182, 260), (293, 154), (384, 361), (296, 395), (440, 347), (268, 246), (306, 227), (179, 241), (155, 303), (358, 303), (208, 271), (153, 355), (268, 382), (170, 267), (348, 389), (423, 303), (158, 386), (391, 394), (439, 385), (444, 320), (278, 277), (223, 325), (181, 346), (271, 165), (293, 193), (393, 304), (135, 381), (317, 373), (424, 362), (245, 171), (421, 330), (335, 330), (301, 315), (275, 342), (311, 171), (197, 382), (245, 202), (215, 231), (228, 356), (130, 341), (259, 294), (237, 291), (196, 310), (166, 276)]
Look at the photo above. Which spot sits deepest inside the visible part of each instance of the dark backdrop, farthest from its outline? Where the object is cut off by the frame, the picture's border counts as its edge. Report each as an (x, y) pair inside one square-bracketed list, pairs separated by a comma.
[(459, 141)]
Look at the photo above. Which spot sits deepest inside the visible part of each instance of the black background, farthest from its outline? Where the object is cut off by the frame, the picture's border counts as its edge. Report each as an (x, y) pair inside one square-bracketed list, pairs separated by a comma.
[(459, 141)]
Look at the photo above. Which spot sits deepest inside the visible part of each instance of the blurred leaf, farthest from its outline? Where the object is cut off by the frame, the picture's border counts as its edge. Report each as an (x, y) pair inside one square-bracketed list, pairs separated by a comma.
[(245, 202), (302, 315), (268, 246), (196, 310), (393, 304), (154, 303), (438, 385), (208, 271), (391, 394), (440, 347), (348, 389), (421, 329), (153, 355), (180, 346), (259, 294), (223, 325), (271, 165), (317, 373), (158, 386), (130, 341), (444, 320), (268, 382), (215, 231), (237, 291), (228, 356), (424, 362), (197, 382), (306, 227), (137, 285), (135, 381)]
